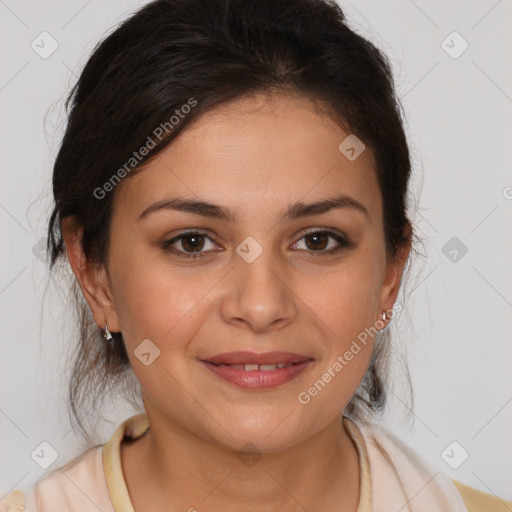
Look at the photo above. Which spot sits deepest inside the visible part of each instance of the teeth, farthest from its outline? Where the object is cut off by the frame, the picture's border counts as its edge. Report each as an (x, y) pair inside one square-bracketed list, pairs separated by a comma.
[(255, 367), (268, 367), (237, 366)]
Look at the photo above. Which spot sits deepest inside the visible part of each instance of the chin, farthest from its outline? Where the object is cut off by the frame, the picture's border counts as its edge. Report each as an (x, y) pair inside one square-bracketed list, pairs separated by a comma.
[(265, 433)]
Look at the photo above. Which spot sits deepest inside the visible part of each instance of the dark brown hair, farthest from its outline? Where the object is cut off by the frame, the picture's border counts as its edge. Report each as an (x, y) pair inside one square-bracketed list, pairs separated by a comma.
[(213, 51)]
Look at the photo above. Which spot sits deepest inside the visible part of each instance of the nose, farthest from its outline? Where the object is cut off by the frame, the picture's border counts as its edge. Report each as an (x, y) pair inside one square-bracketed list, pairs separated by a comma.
[(258, 295)]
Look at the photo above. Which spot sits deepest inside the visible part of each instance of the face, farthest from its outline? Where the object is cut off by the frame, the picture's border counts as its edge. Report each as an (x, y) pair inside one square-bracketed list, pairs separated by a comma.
[(265, 278)]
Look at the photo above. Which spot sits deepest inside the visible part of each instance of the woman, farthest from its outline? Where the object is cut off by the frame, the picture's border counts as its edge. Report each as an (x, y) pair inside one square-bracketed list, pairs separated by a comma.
[(230, 195)]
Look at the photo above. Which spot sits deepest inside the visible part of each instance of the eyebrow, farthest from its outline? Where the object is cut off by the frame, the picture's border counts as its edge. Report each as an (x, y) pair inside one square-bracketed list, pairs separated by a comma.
[(294, 211)]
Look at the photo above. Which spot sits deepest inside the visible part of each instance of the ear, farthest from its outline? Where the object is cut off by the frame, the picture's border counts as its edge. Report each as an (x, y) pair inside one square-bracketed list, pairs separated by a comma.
[(394, 271), (91, 276)]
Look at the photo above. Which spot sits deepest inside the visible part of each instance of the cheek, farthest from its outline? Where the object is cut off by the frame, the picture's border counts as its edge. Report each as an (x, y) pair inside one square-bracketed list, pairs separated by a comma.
[(346, 311), (346, 298), (156, 301), (345, 303)]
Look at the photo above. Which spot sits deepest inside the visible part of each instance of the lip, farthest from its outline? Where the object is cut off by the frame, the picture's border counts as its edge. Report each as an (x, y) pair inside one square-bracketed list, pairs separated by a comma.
[(255, 358), (257, 379)]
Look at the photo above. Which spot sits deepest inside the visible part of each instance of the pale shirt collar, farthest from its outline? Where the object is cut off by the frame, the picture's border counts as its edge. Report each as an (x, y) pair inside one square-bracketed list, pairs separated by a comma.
[(138, 425)]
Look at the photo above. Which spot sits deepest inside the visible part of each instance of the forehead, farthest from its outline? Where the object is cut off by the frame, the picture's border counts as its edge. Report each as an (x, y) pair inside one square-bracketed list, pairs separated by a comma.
[(253, 153)]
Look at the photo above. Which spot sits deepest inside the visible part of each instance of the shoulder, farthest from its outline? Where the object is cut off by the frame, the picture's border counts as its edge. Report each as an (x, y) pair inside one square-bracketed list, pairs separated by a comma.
[(78, 486), (391, 457), (478, 501), (13, 502)]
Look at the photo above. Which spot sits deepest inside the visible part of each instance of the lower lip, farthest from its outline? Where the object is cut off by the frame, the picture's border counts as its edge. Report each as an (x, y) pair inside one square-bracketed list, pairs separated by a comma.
[(257, 379)]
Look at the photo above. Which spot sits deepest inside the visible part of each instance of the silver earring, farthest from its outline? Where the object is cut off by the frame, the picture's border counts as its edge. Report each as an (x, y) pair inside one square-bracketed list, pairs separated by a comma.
[(383, 317), (107, 334)]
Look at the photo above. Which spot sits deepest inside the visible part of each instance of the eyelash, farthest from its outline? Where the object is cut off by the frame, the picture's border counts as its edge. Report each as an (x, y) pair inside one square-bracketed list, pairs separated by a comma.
[(167, 245)]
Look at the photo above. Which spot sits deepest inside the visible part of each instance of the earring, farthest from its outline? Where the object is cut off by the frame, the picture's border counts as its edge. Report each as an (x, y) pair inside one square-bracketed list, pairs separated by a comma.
[(383, 317), (107, 334)]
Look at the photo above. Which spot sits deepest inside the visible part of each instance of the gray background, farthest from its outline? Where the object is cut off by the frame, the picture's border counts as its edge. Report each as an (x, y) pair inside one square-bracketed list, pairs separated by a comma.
[(456, 330)]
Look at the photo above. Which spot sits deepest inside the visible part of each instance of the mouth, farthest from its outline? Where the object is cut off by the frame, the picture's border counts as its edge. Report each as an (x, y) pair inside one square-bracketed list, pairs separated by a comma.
[(257, 371), (257, 367), (253, 358)]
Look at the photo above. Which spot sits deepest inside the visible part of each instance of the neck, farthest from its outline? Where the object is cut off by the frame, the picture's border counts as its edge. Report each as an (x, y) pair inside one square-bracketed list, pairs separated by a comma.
[(170, 468)]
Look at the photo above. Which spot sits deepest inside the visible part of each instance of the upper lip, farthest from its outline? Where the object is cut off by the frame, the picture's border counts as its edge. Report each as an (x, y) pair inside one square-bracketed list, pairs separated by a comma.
[(254, 358)]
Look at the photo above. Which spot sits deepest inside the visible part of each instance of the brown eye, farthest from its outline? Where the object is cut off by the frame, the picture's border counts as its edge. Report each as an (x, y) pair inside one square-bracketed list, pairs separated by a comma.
[(317, 241), (192, 245), (320, 241)]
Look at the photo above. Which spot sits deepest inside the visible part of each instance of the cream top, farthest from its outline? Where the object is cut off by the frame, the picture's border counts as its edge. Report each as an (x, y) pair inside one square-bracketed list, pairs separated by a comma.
[(392, 477), (136, 426)]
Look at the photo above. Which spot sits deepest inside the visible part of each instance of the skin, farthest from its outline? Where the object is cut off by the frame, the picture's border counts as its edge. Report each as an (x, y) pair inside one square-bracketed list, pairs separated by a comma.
[(255, 156)]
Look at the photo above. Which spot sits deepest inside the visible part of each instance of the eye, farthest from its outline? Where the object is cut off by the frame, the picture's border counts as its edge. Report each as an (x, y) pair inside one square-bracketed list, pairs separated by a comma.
[(192, 244), (319, 241)]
